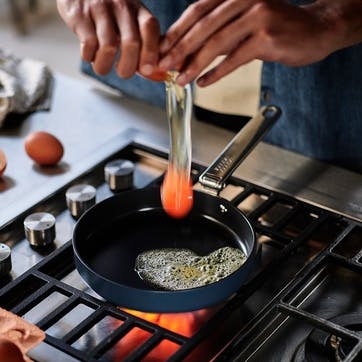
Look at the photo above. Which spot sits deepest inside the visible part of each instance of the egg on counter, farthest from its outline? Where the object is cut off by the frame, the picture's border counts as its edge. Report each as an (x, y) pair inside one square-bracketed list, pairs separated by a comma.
[(44, 148), (3, 162)]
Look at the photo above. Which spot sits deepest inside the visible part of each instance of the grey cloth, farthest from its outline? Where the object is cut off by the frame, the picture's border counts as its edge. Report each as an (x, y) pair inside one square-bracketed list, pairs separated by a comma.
[(25, 85)]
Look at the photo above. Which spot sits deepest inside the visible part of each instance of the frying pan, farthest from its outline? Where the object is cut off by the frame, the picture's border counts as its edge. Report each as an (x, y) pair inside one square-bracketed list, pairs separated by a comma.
[(109, 236)]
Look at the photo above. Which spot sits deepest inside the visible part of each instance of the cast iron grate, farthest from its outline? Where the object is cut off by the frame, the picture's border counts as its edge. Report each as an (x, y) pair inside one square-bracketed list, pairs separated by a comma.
[(283, 224)]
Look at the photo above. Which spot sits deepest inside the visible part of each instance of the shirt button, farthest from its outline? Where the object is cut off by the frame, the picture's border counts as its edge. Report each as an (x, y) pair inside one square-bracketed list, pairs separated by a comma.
[(266, 95)]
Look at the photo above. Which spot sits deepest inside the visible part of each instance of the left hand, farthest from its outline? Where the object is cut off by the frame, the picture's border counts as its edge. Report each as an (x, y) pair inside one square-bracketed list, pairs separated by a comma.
[(106, 27)]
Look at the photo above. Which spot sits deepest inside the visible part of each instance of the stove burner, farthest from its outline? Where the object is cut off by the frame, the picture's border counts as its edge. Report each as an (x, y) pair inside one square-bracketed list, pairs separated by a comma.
[(45, 288), (325, 347)]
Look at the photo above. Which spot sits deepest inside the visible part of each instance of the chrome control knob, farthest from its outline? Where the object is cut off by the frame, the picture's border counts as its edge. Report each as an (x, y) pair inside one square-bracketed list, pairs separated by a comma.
[(40, 228), (5, 260), (80, 198), (119, 174)]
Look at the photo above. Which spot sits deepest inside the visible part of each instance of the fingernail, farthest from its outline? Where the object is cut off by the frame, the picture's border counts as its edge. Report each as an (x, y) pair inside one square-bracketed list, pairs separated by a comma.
[(182, 79), (147, 69), (164, 46), (109, 50), (201, 81), (166, 63)]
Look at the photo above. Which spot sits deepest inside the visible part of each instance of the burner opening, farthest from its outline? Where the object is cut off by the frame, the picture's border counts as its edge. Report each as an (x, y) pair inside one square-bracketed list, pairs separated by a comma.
[(299, 222), (350, 245), (342, 347), (251, 202), (323, 288), (323, 235), (333, 347), (275, 213)]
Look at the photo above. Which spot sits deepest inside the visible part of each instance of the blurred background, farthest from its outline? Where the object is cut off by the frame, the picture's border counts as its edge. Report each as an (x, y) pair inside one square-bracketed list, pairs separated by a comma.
[(33, 28)]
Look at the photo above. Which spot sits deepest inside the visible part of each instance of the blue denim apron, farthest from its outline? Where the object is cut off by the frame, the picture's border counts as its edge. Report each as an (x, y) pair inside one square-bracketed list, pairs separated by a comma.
[(322, 107)]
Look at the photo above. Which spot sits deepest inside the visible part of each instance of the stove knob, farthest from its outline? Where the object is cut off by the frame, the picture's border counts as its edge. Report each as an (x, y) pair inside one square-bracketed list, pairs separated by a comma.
[(5, 260), (119, 174), (80, 198), (40, 228)]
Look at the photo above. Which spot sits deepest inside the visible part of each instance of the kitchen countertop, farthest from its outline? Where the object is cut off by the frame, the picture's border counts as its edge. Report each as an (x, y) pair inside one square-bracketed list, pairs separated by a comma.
[(93, 123)]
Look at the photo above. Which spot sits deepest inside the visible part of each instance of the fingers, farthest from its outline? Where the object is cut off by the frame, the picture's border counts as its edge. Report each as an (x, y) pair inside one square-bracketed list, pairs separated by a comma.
[(222, 42), (107, 38), (130, 41), (240, 56), (77, 18), (108, 27), (191, 15), (86, 33), (150, 35), (192, 30)]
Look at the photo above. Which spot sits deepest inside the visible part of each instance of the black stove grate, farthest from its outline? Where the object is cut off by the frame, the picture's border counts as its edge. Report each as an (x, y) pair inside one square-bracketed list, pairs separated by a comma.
[(286, 228)]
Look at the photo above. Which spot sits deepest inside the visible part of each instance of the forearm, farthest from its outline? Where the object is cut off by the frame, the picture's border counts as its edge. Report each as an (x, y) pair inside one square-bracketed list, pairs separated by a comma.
[(343, 19)]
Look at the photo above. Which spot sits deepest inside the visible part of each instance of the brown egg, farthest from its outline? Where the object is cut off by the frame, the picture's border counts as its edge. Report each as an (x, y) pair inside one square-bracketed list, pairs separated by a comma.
[(2, 162), (44, 148), (10, 352)]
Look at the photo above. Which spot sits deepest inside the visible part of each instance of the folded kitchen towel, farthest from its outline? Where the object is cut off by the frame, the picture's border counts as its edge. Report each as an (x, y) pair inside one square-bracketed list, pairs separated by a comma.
[(25, 85)]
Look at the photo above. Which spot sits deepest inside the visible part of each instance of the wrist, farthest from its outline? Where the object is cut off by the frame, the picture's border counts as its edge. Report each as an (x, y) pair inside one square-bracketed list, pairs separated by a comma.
[(342, 21)]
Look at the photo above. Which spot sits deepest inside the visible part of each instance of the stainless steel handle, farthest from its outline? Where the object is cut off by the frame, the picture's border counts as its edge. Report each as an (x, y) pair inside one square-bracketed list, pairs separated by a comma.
[(238, 148)]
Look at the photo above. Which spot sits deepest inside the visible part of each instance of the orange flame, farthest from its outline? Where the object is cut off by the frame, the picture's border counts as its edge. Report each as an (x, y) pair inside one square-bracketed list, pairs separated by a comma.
[(186, 324)]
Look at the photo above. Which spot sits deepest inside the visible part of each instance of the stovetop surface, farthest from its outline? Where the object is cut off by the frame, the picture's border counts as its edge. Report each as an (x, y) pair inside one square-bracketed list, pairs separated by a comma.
[(302, 302)]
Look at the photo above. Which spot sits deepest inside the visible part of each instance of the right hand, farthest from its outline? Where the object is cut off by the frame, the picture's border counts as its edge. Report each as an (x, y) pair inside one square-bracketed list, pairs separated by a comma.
[(106, 26), (269, 30)]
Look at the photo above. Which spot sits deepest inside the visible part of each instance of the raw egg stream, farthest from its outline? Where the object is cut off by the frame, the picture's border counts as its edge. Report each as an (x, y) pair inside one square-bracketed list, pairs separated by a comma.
[(177, 193), (176, 190)]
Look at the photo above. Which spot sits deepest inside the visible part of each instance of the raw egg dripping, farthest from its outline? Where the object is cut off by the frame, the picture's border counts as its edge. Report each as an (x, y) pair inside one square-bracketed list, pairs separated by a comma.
[(177, 193), (176, 189)]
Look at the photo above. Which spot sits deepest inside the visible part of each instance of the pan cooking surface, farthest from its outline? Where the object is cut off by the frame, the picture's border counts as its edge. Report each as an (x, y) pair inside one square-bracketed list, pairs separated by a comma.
[(177, 269), (113, 249)]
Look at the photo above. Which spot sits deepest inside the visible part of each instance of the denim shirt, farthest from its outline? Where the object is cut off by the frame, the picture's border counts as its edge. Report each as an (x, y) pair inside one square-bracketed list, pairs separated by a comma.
[(321, 103), (322, 107)]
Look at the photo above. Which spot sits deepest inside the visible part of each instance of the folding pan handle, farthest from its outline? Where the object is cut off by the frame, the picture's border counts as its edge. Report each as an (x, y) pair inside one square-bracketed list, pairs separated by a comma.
[(239, 147)]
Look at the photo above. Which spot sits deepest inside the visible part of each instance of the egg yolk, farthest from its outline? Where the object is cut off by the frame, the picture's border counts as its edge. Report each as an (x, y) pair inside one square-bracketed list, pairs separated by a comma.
[(157, 75), (177, 193)]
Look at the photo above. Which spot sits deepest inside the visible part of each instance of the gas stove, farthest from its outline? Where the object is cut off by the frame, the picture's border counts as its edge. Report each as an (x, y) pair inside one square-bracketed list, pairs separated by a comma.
[(302, 303)]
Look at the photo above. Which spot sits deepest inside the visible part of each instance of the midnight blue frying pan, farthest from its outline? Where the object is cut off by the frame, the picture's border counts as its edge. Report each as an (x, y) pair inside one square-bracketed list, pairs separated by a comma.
[(108, 238)]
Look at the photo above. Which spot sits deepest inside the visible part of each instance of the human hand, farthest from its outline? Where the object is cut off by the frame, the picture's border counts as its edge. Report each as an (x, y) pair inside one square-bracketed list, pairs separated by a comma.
[(269, 30), (106, 26)]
